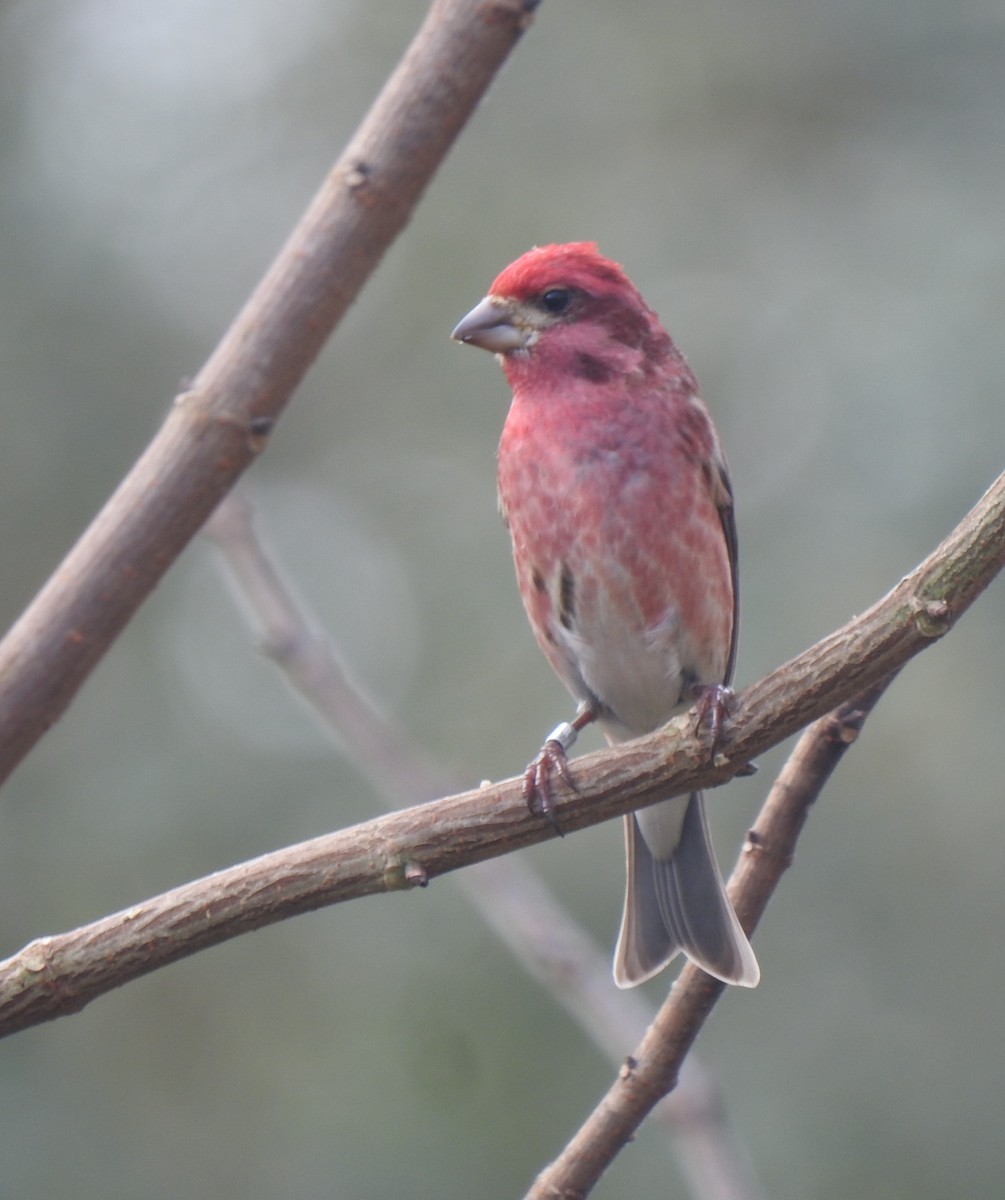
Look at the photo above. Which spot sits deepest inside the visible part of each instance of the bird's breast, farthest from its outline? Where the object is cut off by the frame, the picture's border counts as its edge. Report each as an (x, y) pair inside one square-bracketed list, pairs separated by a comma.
[(621, 562)]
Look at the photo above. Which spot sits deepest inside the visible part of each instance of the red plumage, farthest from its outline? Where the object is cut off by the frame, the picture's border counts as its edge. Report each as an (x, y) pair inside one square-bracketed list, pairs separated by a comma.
[(616, 494)]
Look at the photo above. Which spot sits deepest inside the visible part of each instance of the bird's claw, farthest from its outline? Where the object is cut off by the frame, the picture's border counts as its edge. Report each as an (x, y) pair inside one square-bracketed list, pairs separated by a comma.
[(714, 704), (551, 760)]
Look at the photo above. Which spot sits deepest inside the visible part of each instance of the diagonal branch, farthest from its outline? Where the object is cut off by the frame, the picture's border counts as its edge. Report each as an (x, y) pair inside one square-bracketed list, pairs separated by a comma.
[(221, 422), (57, 975)]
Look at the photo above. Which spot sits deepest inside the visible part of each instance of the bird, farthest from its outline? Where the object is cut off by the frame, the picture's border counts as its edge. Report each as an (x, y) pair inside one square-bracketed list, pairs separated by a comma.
[(616, 493)]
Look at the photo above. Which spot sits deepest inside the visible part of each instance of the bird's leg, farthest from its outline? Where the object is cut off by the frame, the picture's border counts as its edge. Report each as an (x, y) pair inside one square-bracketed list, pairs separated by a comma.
[(553, 758)]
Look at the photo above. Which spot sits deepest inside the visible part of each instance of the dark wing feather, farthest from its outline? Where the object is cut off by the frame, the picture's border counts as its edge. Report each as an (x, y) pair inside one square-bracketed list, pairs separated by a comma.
[(722, 494)]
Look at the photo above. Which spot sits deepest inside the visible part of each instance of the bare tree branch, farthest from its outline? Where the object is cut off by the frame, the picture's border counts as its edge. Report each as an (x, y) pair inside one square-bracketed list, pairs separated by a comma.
[(651, 1071), (56, 975), (508, 894), (222, 421), (312, 665)]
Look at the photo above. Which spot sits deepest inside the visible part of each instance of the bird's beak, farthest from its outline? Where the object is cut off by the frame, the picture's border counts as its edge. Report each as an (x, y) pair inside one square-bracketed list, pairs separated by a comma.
[(491, 326)]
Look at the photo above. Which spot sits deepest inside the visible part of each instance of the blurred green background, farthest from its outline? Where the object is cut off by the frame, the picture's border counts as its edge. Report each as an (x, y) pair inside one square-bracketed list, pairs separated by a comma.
[(813, 196)]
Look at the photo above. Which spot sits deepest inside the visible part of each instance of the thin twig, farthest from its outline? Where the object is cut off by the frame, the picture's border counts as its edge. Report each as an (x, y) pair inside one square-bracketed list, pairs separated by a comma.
[(651, 1071), (61, 974), (222, 421), (511, 898)]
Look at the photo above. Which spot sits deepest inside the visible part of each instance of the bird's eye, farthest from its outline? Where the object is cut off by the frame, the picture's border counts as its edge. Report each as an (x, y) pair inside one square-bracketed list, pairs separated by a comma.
[(556, 300)]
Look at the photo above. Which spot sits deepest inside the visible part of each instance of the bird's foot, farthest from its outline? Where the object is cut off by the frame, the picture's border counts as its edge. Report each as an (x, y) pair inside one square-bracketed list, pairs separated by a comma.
[(714, 704), (551, 760)]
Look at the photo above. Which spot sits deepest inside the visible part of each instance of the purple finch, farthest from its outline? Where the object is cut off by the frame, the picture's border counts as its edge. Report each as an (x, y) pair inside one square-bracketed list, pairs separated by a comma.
[(615, 491)]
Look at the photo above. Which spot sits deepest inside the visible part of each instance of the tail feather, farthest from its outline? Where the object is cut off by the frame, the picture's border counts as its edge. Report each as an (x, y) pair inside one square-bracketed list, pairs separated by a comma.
[(678, 904)]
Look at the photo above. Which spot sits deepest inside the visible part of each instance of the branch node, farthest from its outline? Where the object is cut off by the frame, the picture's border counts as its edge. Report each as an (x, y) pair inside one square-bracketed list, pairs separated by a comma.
[(357, 176), (259, 429), (757, 844), (753, 842), (845, 724), (186, 394), (36, 956), (415, 874), (933, 618)]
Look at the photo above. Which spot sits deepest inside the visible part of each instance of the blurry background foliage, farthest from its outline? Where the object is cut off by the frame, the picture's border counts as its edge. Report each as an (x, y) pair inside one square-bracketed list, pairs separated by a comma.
[(812, 195)]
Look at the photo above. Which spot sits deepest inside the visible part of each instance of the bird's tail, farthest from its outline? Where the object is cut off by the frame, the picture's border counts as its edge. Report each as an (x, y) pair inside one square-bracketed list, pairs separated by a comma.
[(676, 900)]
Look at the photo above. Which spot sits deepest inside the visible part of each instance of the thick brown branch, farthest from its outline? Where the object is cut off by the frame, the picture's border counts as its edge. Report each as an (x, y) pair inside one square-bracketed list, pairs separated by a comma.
[(222, 421), (61, 974)]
